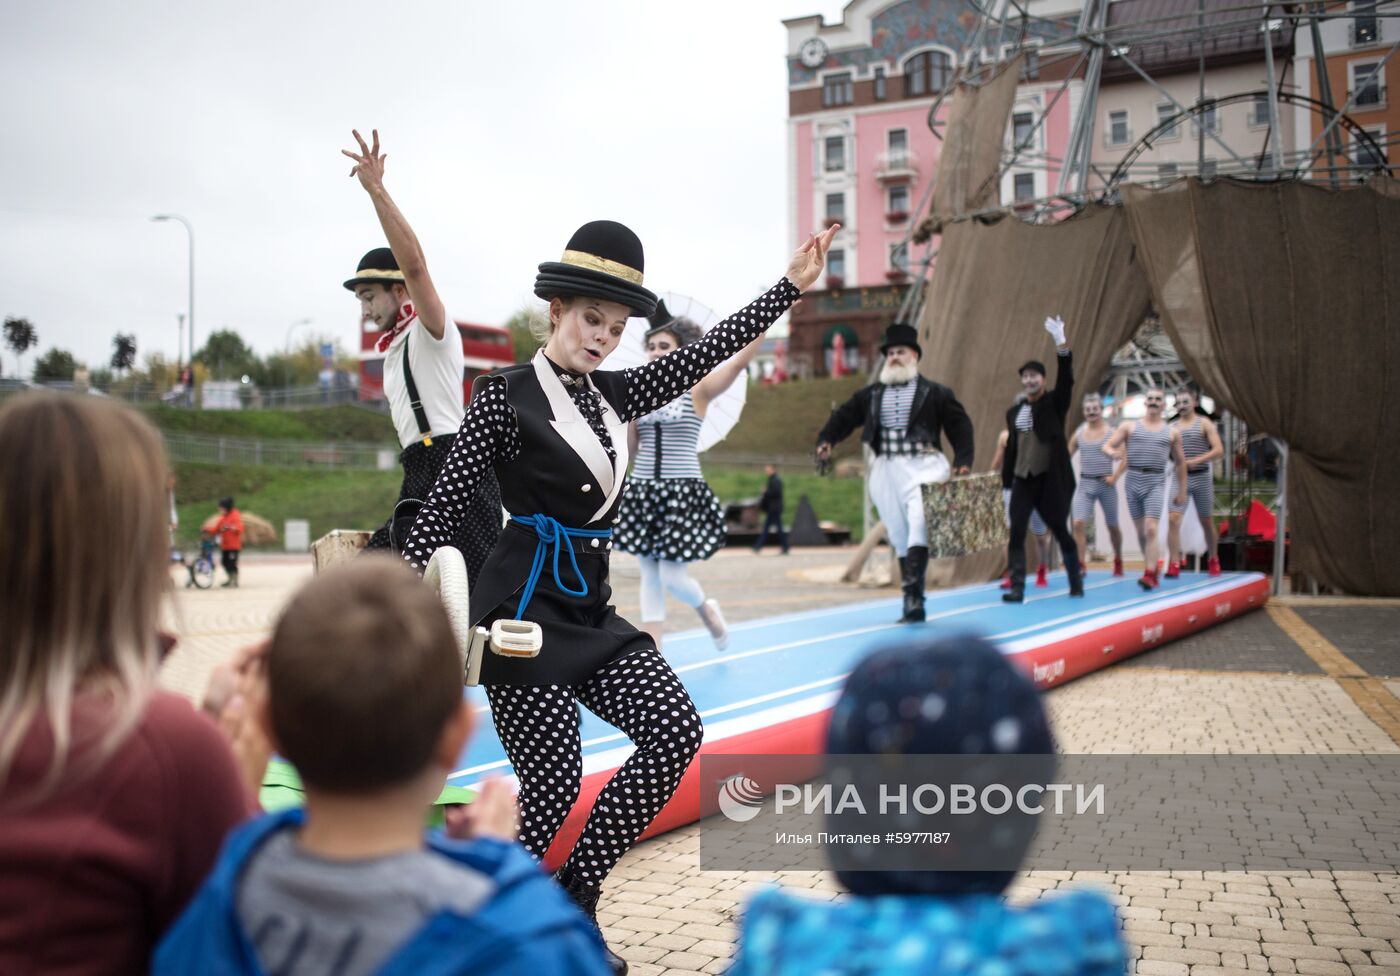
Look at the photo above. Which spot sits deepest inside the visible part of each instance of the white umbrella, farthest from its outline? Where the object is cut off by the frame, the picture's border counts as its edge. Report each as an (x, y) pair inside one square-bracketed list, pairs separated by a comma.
[(724, 410)]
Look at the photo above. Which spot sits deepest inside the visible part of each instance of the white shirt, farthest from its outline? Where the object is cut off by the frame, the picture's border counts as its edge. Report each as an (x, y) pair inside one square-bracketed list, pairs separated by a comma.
[(438, 371)]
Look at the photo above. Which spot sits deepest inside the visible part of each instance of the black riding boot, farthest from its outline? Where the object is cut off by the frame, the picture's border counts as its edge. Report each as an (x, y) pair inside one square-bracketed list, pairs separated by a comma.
[(1017, 566), (585, 896), (916, 566)]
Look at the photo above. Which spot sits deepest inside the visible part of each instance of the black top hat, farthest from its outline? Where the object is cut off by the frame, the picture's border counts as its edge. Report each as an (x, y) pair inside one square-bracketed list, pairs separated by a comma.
[(602, 260), (1033, 364), (901, 334), (685, 330), (377, 267)]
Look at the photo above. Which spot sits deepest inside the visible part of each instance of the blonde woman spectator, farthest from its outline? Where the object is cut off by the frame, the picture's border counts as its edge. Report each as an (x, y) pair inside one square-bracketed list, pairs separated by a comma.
[(114, 797)]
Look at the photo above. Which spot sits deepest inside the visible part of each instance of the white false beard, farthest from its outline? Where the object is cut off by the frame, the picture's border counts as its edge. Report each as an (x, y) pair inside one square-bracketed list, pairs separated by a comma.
[(893, 374)]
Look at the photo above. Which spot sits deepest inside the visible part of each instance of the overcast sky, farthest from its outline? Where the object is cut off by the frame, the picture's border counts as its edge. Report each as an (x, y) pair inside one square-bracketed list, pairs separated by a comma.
[(506, 126)]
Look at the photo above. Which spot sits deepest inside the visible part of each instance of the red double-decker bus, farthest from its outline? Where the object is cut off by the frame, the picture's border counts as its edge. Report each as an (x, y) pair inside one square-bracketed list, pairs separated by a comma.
[(485, 347)]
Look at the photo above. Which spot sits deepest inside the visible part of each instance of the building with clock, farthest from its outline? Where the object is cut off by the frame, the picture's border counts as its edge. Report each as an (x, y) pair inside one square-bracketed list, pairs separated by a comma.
[(860, 152)]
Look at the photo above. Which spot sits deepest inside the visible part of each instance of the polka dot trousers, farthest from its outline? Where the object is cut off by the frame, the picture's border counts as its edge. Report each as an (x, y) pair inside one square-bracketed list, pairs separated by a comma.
[(538, 725)]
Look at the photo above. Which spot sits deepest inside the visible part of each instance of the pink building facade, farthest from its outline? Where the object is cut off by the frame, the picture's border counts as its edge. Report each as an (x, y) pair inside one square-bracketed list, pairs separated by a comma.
[(860, 152)]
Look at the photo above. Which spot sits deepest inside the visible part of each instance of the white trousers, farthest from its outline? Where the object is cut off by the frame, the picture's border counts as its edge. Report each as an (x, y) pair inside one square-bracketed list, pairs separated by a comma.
[(895, 489)]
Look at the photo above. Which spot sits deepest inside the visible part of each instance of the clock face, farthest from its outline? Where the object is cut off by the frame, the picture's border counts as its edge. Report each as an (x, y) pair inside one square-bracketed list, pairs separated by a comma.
[(812, 52)]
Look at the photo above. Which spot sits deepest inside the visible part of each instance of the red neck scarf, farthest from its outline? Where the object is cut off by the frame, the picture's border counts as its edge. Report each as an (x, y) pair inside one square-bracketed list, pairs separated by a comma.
[(406, 317)]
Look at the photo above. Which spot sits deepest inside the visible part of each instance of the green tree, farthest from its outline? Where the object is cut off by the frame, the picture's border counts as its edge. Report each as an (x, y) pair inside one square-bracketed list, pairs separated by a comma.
[(56, 365), (522, 327), (227, 356), (20, 335), (123, 352)]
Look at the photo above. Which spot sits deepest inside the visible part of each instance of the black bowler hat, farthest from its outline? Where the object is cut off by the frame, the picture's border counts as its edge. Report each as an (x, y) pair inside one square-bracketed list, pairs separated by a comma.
[(378, 267), (901, 334), (602, 260), (1035, 365)]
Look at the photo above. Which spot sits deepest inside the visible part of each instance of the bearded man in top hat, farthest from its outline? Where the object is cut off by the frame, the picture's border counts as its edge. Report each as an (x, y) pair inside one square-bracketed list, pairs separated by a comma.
[(903, 416), (423, 368), (1036, 463)]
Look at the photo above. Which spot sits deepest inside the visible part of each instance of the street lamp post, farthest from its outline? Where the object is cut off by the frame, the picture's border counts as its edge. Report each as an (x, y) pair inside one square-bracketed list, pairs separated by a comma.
[(287, 345), (189, 230)]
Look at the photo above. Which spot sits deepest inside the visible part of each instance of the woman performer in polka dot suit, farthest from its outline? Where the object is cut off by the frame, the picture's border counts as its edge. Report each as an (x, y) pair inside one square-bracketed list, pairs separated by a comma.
[(554, 430), (669, 516)]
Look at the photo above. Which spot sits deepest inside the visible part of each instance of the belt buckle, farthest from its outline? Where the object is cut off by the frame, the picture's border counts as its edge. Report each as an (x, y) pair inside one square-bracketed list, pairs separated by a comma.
[(516, 638)]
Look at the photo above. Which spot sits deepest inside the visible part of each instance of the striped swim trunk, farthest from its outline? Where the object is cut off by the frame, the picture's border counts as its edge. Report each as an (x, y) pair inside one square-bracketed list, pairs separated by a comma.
[(1200, 488), (1144, 490), (1037, 523), (1090, 490)]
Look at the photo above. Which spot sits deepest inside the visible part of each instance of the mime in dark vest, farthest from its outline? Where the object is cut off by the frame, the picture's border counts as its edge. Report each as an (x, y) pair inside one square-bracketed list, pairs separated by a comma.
[(1037, 463)]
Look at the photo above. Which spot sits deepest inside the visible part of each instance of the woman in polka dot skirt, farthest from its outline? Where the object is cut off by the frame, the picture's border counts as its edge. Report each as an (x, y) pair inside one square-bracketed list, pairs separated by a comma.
[(554, 431), (669, 516)]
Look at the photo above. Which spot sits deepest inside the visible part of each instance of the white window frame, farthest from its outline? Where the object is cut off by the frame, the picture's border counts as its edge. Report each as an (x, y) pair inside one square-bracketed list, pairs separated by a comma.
[(1351, 27), (1213, 101), (826, 205), (1377, 132), (889, 132), (1108, 139), (1016, 176), (826, 153), (831, 270), (928, 92), (1353, 77), (891, 265), (1172, 110), (1036, 130), (1263, 121), (889, 198), (850, 76)]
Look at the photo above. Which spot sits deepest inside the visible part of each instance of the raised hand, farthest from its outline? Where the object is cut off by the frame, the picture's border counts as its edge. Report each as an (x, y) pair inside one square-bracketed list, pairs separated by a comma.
[(810, 258), (491, 814), (369, 164), (1056, 327)]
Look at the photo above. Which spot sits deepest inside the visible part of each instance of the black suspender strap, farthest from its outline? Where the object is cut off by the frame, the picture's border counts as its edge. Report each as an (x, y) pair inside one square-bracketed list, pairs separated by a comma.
[(419, 414)]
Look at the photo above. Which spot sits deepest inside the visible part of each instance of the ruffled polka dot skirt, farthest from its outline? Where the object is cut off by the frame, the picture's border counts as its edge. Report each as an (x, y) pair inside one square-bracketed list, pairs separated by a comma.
[(677, 519)]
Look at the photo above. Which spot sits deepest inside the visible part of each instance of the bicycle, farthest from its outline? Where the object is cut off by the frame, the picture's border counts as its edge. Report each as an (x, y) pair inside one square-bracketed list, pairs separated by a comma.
[(200, 567)]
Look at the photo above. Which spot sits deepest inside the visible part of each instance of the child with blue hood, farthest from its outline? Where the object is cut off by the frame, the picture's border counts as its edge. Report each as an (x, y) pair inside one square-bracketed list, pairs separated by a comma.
[(957, 696)]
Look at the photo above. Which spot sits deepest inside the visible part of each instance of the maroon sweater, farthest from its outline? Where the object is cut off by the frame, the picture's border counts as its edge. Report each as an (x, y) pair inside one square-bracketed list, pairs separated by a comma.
[(91, 876)]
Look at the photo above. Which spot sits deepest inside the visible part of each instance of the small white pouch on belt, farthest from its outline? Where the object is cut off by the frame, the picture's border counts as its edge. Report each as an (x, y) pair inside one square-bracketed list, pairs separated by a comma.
[(447, 573)]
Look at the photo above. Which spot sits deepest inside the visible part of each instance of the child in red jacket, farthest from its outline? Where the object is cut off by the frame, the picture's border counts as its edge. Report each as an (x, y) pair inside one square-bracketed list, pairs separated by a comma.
[(229, 533)]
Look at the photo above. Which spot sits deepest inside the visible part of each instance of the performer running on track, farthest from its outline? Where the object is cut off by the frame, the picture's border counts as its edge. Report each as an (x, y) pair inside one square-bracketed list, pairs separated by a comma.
[(423, 366), (1038, 529), (1200, 442), (1037, 462), (1097, 480), (1152, 444), (669, 517), (554, 430), (903, 416)]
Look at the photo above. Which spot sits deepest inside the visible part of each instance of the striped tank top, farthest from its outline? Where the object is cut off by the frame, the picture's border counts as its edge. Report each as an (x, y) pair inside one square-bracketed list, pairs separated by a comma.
[(1194, 444), (1149, 450), (667, 441), (1093, 462)]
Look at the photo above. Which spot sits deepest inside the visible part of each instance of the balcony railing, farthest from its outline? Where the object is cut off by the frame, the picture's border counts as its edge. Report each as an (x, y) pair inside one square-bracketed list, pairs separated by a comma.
[(899, 164), (1369, 96)]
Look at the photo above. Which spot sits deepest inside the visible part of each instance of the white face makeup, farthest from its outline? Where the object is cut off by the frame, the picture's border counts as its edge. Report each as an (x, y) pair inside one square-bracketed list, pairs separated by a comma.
[(379, 305), (1156, 402), (1093, 410), (584, 332), (661, 344), (1032, 383)]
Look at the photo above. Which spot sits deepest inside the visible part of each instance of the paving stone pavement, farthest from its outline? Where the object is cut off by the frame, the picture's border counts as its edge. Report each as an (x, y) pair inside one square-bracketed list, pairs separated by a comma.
[(1247, 687)]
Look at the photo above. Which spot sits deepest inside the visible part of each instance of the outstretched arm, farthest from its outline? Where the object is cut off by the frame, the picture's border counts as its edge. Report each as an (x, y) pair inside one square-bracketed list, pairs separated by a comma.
[(724, 374), (842, 421), (369, 167), (488, 431), (659, 382)]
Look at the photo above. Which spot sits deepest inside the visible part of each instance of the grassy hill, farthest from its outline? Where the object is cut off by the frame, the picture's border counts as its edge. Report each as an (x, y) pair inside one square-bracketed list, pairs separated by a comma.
[(778, 422)]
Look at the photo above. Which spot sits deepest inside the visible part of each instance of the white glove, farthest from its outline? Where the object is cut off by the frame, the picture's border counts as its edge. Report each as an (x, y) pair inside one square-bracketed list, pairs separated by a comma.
[(1056, 327)]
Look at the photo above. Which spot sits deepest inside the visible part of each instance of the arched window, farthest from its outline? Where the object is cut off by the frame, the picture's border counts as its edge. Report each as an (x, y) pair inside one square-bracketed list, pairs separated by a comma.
[(927, 73)]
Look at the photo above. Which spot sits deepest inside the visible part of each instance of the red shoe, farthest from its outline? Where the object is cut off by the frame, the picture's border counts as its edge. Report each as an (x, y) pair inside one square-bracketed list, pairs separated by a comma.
[(1006, 581), (1213, 566), (1117, 567), (1042, 575), (1173, 569), (1149, 579)]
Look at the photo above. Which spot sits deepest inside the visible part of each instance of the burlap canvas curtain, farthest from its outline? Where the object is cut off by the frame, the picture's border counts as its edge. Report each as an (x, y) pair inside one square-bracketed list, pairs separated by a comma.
[(1283, 301), (970, 163), (994, 285)]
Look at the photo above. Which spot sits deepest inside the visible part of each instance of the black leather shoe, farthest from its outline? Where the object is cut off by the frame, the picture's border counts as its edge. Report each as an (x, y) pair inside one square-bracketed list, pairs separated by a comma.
[(1017, 594), (585, 896)]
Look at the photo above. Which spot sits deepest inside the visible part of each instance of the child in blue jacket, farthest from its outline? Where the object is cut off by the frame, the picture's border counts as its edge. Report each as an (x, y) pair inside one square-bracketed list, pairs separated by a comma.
[(364, 698), (927, 698)]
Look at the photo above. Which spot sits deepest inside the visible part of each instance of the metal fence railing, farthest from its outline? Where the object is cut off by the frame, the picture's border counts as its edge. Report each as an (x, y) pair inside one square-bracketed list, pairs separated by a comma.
[(343, 455)]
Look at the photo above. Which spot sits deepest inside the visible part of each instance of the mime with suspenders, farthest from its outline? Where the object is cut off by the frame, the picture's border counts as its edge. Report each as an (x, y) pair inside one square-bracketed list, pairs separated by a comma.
[(423, 371)]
